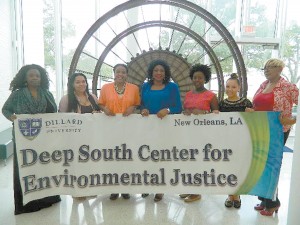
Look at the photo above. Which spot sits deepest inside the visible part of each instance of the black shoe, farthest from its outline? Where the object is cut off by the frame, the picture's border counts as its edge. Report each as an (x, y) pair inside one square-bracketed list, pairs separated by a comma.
[(145, 195), (114, 196), (51, 199), (33, 206), (27, 209), (126, 196)]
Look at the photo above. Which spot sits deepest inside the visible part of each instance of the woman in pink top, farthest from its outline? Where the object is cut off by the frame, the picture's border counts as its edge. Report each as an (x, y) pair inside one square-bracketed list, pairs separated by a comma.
[(199, 101), (275, 94), (119, 97)]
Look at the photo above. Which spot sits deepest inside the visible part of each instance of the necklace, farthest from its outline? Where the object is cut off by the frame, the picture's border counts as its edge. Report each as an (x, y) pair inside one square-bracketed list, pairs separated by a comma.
[(83, 100), (120, 91)]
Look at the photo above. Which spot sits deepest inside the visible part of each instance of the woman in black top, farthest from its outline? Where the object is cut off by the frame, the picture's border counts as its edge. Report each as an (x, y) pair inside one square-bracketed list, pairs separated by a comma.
[(233, 103)]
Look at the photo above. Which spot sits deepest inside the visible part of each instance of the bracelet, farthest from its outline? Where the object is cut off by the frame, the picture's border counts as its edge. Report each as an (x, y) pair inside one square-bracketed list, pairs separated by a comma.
[(143, 111)]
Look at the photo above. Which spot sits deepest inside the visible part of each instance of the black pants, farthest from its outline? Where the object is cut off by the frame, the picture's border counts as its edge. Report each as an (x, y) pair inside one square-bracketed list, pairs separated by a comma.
[(269, 203)]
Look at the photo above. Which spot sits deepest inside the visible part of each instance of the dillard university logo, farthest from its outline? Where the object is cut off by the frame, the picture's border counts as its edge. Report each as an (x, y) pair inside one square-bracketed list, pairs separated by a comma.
[(30, 128)]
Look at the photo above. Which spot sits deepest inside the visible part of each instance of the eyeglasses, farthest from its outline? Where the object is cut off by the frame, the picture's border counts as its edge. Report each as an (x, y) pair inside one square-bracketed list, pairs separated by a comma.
[(269, 67)]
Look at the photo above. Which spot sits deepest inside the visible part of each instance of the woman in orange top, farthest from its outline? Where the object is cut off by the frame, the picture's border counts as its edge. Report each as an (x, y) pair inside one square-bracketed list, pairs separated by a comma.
[(119, 97)]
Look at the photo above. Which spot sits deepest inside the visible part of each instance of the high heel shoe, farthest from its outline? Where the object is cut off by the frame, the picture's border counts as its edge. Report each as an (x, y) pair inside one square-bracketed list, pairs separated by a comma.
[(270, 211), (260, 206)]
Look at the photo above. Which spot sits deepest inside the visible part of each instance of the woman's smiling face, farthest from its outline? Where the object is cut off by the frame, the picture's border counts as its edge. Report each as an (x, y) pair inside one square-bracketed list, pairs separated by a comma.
[(158, 73), (80, 84), (120, 74), (33, 78), (232, 88), (198, 79)]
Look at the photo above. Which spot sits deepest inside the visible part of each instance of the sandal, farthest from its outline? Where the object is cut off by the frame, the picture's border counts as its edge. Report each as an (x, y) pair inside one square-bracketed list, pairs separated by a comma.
[(228, 203), (237, 204)]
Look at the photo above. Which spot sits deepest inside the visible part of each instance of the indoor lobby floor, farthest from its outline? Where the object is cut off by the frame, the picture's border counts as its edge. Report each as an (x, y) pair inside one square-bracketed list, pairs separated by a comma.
[(171, 210)]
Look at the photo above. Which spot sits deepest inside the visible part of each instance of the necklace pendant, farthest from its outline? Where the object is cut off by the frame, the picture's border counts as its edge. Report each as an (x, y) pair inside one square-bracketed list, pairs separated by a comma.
[(120, 91)]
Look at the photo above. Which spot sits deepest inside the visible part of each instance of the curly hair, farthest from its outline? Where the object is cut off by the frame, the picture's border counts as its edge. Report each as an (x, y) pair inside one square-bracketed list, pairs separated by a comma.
[(205, 69), (72, 100), (166, 67), (19, 81)]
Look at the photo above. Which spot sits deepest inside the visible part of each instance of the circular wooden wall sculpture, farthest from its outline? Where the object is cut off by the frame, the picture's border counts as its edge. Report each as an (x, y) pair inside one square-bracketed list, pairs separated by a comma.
[(176, 54)]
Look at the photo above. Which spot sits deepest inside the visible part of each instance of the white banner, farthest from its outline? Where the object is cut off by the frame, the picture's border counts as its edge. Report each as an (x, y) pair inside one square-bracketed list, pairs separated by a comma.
[(93, 154)]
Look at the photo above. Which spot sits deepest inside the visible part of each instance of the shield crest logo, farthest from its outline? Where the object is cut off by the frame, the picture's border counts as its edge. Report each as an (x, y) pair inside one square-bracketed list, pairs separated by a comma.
[(30, 128)]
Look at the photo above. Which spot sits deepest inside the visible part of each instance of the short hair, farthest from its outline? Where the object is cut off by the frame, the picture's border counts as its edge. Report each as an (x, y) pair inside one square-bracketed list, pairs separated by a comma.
[(234, 76), (166, 67), (19, 81), (275, 62), (120, 64), (205, 69)]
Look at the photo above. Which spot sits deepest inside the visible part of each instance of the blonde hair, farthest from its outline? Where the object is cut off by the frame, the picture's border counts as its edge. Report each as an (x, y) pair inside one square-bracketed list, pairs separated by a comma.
[(275, 62)]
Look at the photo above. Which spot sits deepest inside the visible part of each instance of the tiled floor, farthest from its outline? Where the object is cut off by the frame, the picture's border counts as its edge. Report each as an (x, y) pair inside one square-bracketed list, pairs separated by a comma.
[(136, 210)]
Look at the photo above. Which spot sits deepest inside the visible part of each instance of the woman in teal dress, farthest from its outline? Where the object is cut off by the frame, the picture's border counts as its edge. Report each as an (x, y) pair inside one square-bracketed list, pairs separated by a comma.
[(159, 96), (30, 95)]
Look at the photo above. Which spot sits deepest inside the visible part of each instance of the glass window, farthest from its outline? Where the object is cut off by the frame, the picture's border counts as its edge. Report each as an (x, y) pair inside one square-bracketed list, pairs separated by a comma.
[(260, 17)]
